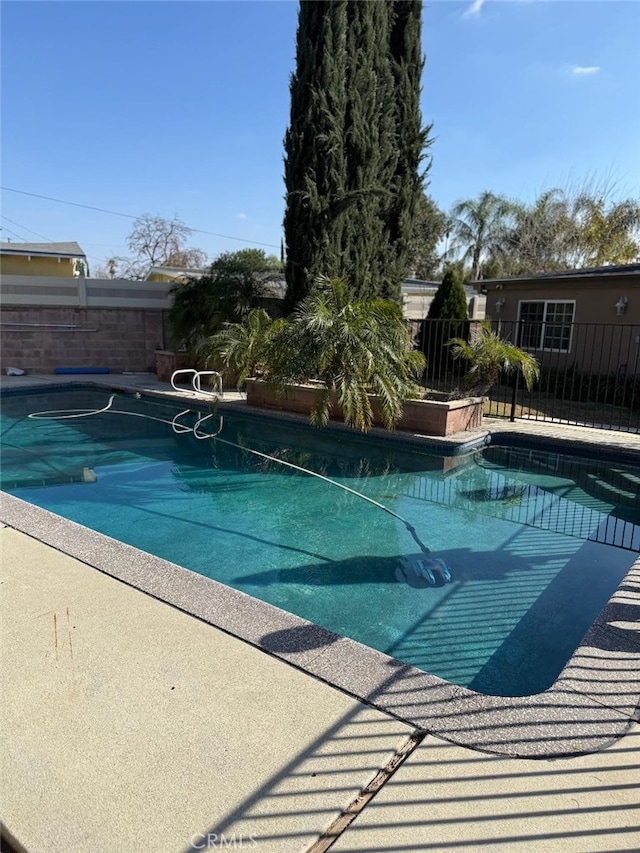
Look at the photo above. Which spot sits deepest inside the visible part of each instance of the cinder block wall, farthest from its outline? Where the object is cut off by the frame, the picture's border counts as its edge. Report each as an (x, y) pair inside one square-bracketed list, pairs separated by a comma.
[(40, 339)]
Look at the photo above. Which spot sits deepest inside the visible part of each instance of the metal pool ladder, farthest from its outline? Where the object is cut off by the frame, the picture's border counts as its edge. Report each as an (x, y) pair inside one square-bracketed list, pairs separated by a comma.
[(180, 428), (196, 381)]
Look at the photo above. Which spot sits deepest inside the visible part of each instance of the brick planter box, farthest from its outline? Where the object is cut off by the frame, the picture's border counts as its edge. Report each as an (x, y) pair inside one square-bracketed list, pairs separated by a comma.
[(168, 361), (426, 417)]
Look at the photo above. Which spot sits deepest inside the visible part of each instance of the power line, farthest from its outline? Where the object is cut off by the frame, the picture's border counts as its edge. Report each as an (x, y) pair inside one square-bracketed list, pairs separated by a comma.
[(73, 203), (131, 216), (19, 236), (24, 228), (37, 233)]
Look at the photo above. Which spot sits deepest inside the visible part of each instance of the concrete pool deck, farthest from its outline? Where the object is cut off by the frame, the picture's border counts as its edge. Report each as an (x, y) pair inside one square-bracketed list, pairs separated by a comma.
[(101, 753), (128, 725)]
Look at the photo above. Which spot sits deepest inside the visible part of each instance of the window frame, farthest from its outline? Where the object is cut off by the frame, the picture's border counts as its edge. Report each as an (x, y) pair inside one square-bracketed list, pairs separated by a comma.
[(543, 323)]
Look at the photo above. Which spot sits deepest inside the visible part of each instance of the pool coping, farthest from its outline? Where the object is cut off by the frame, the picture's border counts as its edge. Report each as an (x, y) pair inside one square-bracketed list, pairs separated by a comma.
[(592, 703)]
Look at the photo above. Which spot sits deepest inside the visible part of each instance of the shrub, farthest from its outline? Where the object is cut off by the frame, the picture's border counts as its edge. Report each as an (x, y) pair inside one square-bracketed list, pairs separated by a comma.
[(488, 356)]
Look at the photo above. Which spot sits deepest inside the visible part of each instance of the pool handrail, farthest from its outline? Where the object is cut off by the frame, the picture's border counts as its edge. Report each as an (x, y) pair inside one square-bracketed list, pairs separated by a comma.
[(211, 373), (180, 428), (196, 381)]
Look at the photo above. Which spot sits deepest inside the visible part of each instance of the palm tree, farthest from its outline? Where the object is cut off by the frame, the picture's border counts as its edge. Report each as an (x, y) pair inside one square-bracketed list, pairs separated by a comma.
[(243, 347), (606, 235), (479, 227), (543, 236), (354, 349), (564, 229), (489, 355)]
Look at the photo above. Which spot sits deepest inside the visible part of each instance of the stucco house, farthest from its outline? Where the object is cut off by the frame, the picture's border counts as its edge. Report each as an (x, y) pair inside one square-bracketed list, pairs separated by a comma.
[(59, 260), (589, 318)]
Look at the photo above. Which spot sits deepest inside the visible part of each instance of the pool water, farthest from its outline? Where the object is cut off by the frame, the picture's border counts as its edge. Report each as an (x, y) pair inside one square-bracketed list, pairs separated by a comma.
[(535, 542)]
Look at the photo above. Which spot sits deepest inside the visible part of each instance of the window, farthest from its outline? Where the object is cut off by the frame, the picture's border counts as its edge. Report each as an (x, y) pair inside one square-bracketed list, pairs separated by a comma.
[(547, 325)]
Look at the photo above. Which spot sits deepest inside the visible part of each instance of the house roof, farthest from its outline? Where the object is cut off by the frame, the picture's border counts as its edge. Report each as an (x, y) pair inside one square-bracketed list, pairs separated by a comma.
[(275, 285), (417, 286), (585, 273), (174, 272), (47, 250)]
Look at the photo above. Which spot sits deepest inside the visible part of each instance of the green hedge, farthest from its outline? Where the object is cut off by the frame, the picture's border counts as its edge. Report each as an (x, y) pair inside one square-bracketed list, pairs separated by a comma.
[(572, 384)]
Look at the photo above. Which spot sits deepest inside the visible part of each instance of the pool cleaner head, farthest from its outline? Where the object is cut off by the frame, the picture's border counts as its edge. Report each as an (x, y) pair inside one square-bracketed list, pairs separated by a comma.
[(419, 570)]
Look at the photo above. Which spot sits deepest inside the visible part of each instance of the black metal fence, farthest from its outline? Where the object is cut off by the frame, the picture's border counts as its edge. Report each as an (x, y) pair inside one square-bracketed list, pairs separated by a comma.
[(589, 372), (507, 492), (444, 373)]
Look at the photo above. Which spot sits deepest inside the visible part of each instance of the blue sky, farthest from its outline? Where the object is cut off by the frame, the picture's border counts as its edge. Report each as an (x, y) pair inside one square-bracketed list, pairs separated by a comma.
[(181, 107)]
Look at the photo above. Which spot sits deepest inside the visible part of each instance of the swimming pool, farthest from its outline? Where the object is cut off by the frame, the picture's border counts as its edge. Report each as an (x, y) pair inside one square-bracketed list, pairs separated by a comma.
[(535, 542)]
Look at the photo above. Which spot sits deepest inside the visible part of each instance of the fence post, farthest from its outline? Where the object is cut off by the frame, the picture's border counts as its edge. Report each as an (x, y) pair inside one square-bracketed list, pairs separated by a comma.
[(514, 395)]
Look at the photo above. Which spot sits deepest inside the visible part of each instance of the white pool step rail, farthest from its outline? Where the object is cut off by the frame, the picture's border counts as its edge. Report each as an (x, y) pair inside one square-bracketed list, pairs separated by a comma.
[(196, 381), (179, 428)]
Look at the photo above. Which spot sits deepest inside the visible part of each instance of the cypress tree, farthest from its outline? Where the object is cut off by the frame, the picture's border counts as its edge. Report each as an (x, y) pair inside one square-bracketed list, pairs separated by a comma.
[(449, 304), (314, 165), (450, 301), (369, 151), (407, 63), (354, 145)]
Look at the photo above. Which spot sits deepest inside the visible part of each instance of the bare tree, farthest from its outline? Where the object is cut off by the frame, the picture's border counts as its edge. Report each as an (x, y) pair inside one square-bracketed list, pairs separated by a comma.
[(191, 259), (155, 241), (109, 269)]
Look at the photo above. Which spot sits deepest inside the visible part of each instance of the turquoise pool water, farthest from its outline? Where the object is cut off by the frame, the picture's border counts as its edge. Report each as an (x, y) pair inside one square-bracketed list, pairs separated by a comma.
[(535, 542)]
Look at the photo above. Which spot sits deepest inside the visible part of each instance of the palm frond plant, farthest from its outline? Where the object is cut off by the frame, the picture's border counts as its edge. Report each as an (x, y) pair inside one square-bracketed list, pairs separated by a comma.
[(243, 347), (354, 349), (489, 355)]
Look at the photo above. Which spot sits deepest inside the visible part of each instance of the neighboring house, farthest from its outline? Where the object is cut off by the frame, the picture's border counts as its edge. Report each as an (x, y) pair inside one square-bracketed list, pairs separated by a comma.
[(53, 315), (172, 274), (274, 282), (417, 295), (60, 260), (57, 274), (589, 318)]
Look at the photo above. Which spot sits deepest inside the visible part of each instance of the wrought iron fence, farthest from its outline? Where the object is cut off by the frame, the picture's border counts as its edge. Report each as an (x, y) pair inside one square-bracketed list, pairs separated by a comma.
[(603, 506), (589, 372), (443, 373)]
